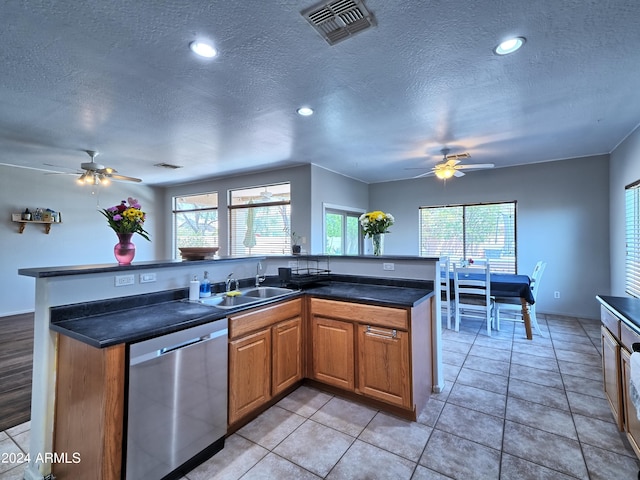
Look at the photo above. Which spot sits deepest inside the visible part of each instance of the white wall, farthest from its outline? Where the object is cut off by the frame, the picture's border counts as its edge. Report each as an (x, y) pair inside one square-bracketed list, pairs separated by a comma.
[(562, 210), (624, 169), (83, 237), (328, 187)]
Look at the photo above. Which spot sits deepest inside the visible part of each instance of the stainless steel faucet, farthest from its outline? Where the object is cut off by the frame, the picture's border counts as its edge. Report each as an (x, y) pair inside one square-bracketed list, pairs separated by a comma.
[(231, 281), (259, 278)]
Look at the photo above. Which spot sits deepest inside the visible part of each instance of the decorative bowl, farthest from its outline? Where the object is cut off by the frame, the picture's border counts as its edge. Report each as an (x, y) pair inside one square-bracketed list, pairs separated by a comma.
[(198, 253)]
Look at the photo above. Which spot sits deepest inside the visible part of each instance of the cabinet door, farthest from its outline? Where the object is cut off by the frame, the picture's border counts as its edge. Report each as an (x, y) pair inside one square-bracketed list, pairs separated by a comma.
[(333, 357), (287, 354), (383, 363), (611, 372), (249, 373), (631, 421)]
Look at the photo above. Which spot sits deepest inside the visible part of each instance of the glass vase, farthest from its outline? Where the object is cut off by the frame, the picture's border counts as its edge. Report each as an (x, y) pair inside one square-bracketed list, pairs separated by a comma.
[(124, 250), (378, 243)]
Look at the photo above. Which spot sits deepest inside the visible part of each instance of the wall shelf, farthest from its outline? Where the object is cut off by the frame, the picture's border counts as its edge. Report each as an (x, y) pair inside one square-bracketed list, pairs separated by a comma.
[(23, 223)]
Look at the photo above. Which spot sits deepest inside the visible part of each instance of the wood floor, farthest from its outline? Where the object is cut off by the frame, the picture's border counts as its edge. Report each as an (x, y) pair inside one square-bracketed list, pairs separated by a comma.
[(16, 365)]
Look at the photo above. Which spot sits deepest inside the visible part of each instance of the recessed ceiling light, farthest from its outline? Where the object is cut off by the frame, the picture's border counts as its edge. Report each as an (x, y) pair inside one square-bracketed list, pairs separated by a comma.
[(509, 46), (305, 111), (203, 49)]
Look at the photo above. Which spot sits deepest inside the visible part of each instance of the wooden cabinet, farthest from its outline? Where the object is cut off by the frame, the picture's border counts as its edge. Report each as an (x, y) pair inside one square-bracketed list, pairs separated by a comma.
[(611, 374), (287, 354), (249, 373), (631, 421), (383, 365), (265, 356), (617, 341), (333, 352), (369, 350), (89, 409)]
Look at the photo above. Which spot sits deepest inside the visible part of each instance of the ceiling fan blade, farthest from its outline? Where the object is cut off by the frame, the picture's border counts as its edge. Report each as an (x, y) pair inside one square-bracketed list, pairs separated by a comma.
[(451, 162), (458, 173), (478, 165), (122, 178), (424, 174), (30, 168)]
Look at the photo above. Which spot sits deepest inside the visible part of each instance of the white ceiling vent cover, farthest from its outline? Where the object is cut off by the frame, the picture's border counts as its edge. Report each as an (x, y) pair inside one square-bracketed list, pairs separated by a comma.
[(338, 20)]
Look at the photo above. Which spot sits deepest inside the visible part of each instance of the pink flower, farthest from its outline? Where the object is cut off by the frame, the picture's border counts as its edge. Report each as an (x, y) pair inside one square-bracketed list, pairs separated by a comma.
[(117, 217)]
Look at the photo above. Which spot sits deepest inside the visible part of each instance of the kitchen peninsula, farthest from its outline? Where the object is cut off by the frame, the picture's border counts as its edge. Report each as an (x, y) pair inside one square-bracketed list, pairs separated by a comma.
[(82, 287)]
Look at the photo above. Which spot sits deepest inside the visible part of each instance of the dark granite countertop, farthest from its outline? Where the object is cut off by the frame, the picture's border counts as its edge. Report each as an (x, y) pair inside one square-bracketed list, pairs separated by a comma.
[(385, 295), (105, 323), (626, 308)]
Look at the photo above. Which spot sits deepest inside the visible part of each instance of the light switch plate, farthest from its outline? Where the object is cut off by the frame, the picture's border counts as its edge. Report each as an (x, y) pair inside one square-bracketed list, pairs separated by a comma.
[(122, 280), (388, 266), (147, 277)]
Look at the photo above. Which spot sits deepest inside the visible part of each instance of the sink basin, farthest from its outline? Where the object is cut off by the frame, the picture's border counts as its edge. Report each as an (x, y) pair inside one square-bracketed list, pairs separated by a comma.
[(252, 295), (222, 301), (266, 292)]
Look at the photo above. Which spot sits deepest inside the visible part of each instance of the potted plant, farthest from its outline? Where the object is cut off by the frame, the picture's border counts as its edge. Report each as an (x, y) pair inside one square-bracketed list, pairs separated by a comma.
[(295, 243)]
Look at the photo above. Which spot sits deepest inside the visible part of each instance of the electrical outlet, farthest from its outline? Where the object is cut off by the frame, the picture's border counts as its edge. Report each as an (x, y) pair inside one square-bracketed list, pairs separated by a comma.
[(147, 277), (556, 294), (122, 280), (388, 266)]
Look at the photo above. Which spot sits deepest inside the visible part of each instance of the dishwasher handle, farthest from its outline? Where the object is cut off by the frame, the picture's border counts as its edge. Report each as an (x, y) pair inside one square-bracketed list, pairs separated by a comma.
[(192, 341), (172, 348)]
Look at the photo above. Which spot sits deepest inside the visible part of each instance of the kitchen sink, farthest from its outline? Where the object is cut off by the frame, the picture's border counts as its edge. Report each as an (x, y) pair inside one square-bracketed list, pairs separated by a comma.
[(266, 292), (246, 297), (222, 301)]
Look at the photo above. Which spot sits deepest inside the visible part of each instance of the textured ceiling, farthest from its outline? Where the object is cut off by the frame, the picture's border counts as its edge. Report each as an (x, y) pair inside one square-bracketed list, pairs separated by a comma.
[(118, 77)]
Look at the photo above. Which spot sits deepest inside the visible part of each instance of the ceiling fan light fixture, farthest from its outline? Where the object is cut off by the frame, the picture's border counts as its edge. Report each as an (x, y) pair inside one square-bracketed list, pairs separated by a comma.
[(203, 49), (509, 46), (444, 173)]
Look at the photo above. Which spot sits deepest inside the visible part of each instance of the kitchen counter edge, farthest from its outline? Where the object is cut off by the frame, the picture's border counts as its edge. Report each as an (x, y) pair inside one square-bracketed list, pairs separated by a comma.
[(78, 328)]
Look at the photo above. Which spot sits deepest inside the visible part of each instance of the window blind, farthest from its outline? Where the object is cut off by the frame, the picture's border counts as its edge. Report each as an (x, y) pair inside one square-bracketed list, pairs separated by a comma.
[(260, 220), (632, 239), (471, 231)]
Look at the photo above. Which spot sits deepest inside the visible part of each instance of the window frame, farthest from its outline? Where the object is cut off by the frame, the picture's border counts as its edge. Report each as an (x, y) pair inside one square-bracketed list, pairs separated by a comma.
[(464, 233), (345, 212), (286, 247), (632, 239), (175, 211)]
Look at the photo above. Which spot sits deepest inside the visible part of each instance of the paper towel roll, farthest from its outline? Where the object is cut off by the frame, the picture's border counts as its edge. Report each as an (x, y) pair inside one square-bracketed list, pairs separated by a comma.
[(194, 290)]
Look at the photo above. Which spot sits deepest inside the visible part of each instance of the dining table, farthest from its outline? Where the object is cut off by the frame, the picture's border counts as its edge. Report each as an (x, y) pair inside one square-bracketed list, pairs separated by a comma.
[(510, 285)]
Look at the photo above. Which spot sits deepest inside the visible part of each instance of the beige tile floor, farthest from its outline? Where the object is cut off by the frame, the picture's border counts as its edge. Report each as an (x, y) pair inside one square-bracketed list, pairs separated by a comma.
[(512, 409)]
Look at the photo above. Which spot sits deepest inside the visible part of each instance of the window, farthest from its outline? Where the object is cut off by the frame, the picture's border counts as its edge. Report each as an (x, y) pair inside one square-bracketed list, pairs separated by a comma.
[(341, 232), (260, 220), (471, 231), (195, 221), (632, 228)]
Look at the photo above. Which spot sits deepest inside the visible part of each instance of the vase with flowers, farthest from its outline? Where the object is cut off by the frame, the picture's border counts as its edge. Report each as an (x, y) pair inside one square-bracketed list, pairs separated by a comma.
[(375, 224), (126, 219)]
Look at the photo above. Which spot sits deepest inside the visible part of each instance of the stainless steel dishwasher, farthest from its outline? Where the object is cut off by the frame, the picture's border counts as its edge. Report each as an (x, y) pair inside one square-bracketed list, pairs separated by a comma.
[(177, 409)]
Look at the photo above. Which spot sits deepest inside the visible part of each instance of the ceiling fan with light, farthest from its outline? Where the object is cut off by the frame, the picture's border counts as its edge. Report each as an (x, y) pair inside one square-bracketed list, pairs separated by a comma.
[(97, 174), (451, 166)]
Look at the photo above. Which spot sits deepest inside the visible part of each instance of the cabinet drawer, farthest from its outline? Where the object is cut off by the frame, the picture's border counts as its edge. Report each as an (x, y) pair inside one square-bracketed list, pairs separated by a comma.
[(628, 337), (244, 323), (610, 321), (369, 314)]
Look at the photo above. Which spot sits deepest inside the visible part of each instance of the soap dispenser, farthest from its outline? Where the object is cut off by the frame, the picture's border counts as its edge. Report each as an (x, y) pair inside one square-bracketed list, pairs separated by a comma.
[(205, 286)]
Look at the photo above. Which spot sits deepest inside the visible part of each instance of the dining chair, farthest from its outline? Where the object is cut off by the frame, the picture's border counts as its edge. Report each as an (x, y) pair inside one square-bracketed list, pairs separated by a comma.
[(513, 306), (472, 294), (445, 289)]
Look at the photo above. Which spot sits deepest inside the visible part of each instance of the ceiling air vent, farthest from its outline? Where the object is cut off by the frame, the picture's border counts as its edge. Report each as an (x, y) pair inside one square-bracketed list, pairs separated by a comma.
[(167, 165), (338, 20)]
